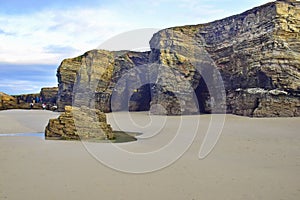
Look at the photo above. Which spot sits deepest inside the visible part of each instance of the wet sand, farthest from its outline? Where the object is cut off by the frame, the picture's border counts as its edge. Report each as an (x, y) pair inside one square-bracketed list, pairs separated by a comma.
[(253, 159), (25, 121)]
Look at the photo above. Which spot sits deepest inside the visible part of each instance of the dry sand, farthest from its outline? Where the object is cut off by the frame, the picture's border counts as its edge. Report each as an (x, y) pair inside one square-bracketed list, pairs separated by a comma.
[(253, 159)]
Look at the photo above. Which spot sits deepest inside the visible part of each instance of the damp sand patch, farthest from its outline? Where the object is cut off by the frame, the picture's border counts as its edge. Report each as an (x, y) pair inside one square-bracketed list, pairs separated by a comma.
[(119, 137)]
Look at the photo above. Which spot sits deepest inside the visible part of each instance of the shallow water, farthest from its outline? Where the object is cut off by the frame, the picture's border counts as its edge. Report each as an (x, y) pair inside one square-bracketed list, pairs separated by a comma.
[(41, 135)]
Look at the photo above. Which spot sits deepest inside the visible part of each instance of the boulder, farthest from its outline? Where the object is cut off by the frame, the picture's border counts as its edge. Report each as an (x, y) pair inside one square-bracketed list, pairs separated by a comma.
[(79, 124)]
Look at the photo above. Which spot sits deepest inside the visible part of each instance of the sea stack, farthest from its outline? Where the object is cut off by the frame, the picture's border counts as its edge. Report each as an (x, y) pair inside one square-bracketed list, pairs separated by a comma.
[(79, 124)]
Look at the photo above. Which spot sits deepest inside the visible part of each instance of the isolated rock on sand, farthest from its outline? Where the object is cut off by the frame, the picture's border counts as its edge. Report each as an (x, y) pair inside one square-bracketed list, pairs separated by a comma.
[(79, 124)]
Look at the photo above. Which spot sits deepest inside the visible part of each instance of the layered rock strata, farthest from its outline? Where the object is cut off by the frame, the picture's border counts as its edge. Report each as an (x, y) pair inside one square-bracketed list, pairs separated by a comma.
[(49, 95), (247, 64), (256, 49), (79, 124), (90, 79), (257, 102)]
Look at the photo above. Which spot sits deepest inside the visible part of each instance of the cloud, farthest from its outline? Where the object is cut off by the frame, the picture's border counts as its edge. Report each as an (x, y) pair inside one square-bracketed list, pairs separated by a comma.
[(38, 34), (49, 33), (14, 87), (16, 79), (58, 49), (2, 32)]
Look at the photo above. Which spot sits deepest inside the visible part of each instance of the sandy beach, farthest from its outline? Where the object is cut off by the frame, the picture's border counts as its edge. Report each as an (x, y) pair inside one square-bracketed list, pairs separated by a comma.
[(25, 121), (253, 159)]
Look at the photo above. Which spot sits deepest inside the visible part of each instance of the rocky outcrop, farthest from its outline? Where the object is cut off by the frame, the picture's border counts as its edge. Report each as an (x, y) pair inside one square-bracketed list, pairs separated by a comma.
[(257, 102), (29, 101), (18, 101), (247, 64), (27, 98), (79, 124), (7, 101), (49, 95), (66, 75), (92, 78), (256, 49)]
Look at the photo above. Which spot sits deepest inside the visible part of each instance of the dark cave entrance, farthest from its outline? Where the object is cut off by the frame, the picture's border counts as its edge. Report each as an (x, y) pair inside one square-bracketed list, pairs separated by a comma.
[(202, 95), (141, 98)]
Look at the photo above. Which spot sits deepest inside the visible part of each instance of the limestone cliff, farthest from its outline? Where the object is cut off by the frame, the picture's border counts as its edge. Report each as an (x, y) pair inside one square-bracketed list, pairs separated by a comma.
[(256, 54), (92, 77), (259, 48), (66, 75)]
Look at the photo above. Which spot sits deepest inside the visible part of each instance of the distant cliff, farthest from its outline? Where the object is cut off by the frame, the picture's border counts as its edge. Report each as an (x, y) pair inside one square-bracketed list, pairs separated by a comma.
[(6, 101), (257, 54), (47, 96)]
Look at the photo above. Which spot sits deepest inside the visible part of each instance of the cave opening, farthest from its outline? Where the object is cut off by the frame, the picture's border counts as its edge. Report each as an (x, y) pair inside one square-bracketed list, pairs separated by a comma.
[(202, 95), (141, 98)]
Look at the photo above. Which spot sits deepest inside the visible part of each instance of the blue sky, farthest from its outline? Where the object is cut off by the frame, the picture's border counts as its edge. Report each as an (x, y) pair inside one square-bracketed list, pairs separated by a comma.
[(36, 35)]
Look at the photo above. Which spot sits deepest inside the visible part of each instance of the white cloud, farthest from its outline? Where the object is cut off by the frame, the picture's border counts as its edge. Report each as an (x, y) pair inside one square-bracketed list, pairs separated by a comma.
[(23, 87), (48, 36), (32, 35)]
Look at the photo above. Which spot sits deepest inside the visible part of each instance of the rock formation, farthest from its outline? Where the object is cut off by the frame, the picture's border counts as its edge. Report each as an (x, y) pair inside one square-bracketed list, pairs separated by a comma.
[(92, 77), (18, 101), (7, 101), (248, 64), (79, 124), (256, 49), (49, 95), (258, 102)]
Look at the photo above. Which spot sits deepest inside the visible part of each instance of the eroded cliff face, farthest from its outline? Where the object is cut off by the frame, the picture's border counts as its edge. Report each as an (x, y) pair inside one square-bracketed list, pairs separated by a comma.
[(23, 101), (90, 79), (66, 75), (256, 49), (208, 68)]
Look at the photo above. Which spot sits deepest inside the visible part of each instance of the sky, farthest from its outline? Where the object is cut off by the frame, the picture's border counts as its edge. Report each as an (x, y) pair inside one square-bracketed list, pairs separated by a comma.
[(36, 35)]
